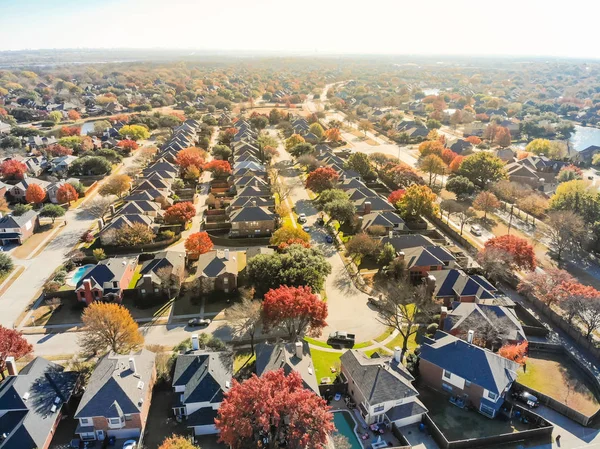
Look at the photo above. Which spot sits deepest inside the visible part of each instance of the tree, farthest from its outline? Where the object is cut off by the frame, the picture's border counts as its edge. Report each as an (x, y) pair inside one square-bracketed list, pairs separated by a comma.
[(490, 331), (57, 150), (198, 243), (259, 121), (99, 207), (100, 126), (71, 131), (516, 352), (465, 215), (115, 185), (245, 318), (287, 233), (496, 263), (292, 413), (52, 211), (433, 124), (317, 130), (90, 166), (302, 149), (293, 140), (189, 157), (4, 205), (55, 116), (386, 255), (278, 186), (128, 145), (418, 200), (21, 209), (73, 115), (6, 264), (405, 307), (219, 169), (296, 310), (361, 245), (520, 249), (134, 235), (482, 169), (327, 196), (569, 173), (12, 344), (13, 169), (578, 197), (503, 137), (109, 326), (221, 152), (333, 135), (323, 178), (396, 196), (486, 202), (35, 194), (448, 156), (432, 165), (180, 213), (543, 285), (177, 442), (552, 150), (11, 142), (66, 194), (565, 229), (134, 132), (473, 140), (454, 166), (588, 312), (365, 126), (341, 210), (99, 254), (431, 147), (360, 163)]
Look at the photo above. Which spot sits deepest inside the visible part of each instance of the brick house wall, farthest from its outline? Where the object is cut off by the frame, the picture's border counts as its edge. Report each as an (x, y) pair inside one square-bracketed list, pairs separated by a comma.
[(26, 233), (231, 282), (248, 229)]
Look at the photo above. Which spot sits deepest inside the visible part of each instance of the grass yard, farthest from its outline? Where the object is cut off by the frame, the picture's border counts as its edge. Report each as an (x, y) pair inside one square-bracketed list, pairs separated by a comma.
[(26, 249), (385, 335), (136, 276), (322, 344), (324, 361), (381, 352), (68, 313), (241, 359), (557, 377), (399, 340)]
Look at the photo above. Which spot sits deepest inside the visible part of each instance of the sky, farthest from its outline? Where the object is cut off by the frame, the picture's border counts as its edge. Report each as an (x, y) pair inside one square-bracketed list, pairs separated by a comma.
[(429, 27)]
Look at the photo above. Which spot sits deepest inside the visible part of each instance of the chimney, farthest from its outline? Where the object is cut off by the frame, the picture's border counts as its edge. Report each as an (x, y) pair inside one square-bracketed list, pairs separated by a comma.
[(195, 345), (299, 349), (132, 365), (470, 336), (367, 207), (430, 284), (401, 255), (443, 316), (391, 234), (397, 353), (254, 202), (112, 209), (100, 223), (147, 282), (226, 254), (11, 366), (87, 287)]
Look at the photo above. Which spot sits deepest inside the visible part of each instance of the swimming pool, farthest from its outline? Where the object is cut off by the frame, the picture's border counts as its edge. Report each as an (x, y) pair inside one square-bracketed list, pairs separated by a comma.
[(78, 274), (345, 424)]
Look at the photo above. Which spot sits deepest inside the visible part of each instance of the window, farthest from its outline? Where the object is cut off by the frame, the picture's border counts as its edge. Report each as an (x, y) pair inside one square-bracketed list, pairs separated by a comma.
[(143, 291), (155, 290), (492, 396), (116, 423), (487, 410), (447, 387), (447, 374), (84, 421), (127, 417), (378, 409), (433, 267), (96, 294)]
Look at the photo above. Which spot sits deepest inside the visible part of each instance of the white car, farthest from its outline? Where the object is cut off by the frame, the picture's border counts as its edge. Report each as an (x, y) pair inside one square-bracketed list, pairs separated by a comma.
[(302, 218), (129, 444), (476, 230)]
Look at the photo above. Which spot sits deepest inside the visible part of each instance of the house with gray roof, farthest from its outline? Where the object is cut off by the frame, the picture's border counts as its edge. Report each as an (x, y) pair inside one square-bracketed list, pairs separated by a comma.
[(289, 357), (162, 274), (33, 402), (117, 397), (381, 388), (474, 374), (455, 285), (389, 220), (252, 221), (107, 280), (218, 270), (17, 229), (200, 381)]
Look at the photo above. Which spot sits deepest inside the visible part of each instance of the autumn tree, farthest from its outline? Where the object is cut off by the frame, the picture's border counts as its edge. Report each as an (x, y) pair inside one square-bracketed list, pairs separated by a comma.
[(12, 344), (417, 201), (128, 145), (569, 173), (360, 246), (66, 194), (321, 179), (55, 116), (115, 185), (543, 285), (134, 132), (317, 130), (198, 243), (285, 234), (552, 150), (520, 249), (396, 196), (134, 235), (191, 157), (57, 150), (73, 115), (109, 327), (35, 194), (360, 163), (579, 197), (245, 318), (52, 211), (293, 140), (177, 442), (473, 140), (13, 169), (295, 310), (180, 213), (220, 169), (448, 156), (429, 147), (515, 352), (70, 131), (333, 135), (482, 169), (486, 202), (365, 126), (565, 229), (432, 165), (454, 166), (503, 137), (292, 413)]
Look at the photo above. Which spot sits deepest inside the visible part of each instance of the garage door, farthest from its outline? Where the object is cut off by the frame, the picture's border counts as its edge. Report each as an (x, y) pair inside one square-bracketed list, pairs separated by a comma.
[(209, 429), (408, 421), (123, 433)]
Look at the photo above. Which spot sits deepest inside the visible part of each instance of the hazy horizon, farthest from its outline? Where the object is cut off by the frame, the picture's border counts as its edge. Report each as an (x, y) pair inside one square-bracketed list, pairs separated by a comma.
[(333, 28)]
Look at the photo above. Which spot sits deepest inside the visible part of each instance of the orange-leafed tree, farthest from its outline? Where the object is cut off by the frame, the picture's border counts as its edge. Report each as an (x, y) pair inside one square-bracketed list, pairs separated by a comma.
[(128, 145), (517, 352), (473, 140), (396, 196), (180, 213), (519, 249), (503, 137), (13, 169), (67, 131), (219, 169), (35, 194), (177, 442), (333, 135), (66, 194), (12, 344), (191, 157), (543, 285), (73, 115), (198, 243), (323, 178), (455, 164), (115, 185), (448, 156), (431, 147), (58, 150)]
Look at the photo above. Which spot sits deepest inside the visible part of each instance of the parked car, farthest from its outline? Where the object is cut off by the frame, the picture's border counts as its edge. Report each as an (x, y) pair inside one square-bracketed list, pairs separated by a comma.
[(129, 444), (198, 322), (476, 230), (302, 218), (527, 398), (329, 239), (339, 338), (306, 228)]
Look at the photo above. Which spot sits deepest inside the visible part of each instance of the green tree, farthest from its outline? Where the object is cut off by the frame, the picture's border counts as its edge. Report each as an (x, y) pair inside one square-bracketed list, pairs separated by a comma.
[(52, 211), (433, 124), (222, 152), (317, 130), (134, 132), (432, 165), (341, 210), (460, 186), (579, 197), (360, 163), (302, 149), (482, 169), (386, 255), (55, 116), (330, 195), (361, 245), (552, 150), (6, 264)]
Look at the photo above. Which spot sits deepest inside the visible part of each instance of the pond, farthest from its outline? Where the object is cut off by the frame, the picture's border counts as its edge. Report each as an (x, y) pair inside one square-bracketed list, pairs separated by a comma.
[(78, 274), (345, 425), (584, 137), (87, 128)]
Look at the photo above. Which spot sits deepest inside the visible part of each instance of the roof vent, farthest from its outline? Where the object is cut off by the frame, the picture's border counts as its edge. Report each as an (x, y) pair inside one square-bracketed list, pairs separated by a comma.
[(53, 409), (26, 396), (141, 401), (57, 400), (227, 384), (140, 385)]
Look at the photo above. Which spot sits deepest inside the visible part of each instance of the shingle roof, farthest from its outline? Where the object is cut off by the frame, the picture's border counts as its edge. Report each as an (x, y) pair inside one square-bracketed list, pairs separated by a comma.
[(412, 408), (213, 263), (205, 376), (251, 213), (13, 221), (273, 357), (462, 311)]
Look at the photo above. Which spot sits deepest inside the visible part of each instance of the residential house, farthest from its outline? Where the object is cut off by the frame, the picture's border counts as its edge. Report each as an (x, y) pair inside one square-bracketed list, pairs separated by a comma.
[(389, 220), (200, 381), (586, 155), (461, 146), (4, 128), (474, 129), (252, 221), (17, 229), (59, 166), (117, 397), (160, 274), (289, 357), (18, 191), (52, 188), (469, 373), (381, 388), (33, 402), (456, 286), (106, 280), (35, 165), (422, 260), (218, 270)]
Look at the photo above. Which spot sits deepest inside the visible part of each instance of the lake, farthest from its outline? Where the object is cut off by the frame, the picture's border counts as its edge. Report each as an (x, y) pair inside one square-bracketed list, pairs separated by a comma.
[(87, 128), (584, 137)]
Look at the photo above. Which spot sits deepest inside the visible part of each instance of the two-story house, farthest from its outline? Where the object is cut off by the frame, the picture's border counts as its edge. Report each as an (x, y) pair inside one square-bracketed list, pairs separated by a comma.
[(107, 280), (18, 191), (199, 382), (252, 221), (382, 388), (469, 373), (218, 270), (162, 273), (455, 285), (117, 397), (17, 229)]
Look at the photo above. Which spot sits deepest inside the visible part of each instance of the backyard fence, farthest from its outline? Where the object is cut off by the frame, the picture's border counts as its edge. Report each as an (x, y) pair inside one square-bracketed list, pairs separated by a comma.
[(223, 240), (453, 234), (404, 444)]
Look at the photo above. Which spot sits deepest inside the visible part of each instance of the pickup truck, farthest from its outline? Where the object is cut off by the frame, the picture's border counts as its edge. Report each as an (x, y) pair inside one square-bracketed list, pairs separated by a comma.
[(341, 339)]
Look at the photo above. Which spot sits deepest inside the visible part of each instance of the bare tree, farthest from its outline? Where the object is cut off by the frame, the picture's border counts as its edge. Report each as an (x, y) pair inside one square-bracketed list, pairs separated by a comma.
[(589, 314), (565, 228), (99, 206), (465, 216), (169, 282), (490, 331), (496, 263), (406, 307), (278, 187), (245, 318)]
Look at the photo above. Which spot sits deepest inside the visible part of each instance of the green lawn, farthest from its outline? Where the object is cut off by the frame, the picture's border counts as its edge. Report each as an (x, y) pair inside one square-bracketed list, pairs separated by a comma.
[(364, 344), (322, 344), (136, 276), (323, 361), (399, 340), (370, 352), (242, 358), (385, 335)]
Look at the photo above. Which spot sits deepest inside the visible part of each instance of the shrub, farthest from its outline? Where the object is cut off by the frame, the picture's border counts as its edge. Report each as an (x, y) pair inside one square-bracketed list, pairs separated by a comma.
[(166, 235), (69, 265), (51, 287), (99, 254), (432, 328), (60, 277), (6, 264)]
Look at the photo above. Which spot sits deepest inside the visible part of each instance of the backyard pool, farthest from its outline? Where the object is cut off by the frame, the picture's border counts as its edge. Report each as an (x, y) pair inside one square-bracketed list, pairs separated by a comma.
[(78, 274), (344, 423)]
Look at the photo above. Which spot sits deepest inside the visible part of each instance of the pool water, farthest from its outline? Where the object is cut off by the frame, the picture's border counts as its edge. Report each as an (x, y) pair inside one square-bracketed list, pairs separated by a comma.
[(344, 423), (79, 272)]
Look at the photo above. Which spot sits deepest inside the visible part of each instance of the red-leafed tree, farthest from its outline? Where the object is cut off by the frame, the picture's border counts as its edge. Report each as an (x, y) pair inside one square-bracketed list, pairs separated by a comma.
[(128, 145), (57, 150), (517, 353), (13, 169), (321, 179), (521, 251), (180, 213), (503, 137), (198, 243), (455, 164), (297, 310), (473, 140), (189, 157), (396, 196), (219, 169), (448, 156), (12, 344), (284, 245), (35, 194), (3, 112), (73, 115), (67, 131), (274, 408), (543, 285), (66, 194)]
